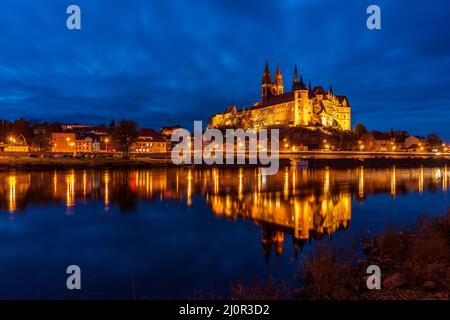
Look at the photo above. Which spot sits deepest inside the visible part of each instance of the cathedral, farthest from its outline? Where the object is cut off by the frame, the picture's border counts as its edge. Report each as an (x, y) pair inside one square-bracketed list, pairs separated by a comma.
[(301, 106)]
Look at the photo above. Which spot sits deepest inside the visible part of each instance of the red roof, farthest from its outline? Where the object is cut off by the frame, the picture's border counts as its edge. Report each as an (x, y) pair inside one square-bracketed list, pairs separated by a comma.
[(152, 135)]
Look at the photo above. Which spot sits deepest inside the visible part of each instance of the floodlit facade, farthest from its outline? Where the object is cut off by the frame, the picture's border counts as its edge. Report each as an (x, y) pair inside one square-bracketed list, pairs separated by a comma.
[(150, 141), (301, 106)]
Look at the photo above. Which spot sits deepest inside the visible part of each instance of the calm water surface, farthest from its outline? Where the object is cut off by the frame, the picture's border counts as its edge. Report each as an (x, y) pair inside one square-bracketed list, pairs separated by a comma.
[(180, 233)]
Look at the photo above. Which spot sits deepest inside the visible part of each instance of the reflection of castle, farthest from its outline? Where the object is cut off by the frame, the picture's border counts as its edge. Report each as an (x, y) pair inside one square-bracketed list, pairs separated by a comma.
[(302, 203), (286, 210), (300, 106)]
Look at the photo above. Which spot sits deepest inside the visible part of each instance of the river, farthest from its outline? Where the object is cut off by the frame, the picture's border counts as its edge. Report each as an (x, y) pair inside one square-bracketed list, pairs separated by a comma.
[(186, 233)]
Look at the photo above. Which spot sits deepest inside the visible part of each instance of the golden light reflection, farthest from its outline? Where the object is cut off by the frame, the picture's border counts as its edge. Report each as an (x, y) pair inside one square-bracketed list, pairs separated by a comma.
[(326, 181), (70, 191), (297, 203), (294, 179), (286, 184), (240, 187), (55, 183), (189, 188), (215, 174), (445, 180), (106, 181), (393, 182), (84, 184), (12, 182), (361, 183), (421, 179)]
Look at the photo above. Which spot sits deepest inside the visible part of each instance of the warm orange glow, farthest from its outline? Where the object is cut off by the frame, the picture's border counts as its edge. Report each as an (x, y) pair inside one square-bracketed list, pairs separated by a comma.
[(297, 203)]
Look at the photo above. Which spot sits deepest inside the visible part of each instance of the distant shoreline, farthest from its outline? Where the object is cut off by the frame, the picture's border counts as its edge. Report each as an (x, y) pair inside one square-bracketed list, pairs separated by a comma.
[(164, 161)]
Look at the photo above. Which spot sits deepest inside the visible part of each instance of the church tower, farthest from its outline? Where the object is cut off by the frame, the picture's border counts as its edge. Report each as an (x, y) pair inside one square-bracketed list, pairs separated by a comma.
[(266, 84), (295, 83), (278, 85), (304, 103)]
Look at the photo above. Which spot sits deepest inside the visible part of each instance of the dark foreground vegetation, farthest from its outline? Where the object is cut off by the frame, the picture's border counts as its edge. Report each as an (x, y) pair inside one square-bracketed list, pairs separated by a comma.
[(415, 264)]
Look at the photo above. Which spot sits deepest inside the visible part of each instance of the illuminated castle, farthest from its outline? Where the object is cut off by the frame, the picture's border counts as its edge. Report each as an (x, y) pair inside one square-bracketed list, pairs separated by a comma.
[(301, 106)]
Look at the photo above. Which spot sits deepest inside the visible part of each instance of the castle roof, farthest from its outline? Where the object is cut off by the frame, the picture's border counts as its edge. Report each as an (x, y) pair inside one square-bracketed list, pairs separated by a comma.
[(281, 98), (318, 90), (230, 109), (288, 97), (341, 99)]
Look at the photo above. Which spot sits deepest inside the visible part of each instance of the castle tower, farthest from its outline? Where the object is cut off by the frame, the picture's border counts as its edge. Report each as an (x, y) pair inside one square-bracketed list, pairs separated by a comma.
[(278, 86), (301, 99), (304, 103), (266, 84)]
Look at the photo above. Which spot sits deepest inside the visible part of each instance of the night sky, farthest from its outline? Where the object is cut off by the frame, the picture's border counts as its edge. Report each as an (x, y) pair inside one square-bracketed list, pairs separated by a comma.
[(172, 62)]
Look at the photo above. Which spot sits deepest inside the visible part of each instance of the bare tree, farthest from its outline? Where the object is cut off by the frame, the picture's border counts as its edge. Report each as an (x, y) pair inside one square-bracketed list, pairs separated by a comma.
[(124, 135)]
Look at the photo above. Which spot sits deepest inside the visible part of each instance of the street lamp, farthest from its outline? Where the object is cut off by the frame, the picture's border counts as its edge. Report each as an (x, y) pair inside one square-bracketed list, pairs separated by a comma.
[(106, 142)]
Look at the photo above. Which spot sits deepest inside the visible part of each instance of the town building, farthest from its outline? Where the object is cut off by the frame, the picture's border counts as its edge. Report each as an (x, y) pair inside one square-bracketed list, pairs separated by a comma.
[(63, 142), (415, 144), (67, 127), (17, 144), (377, 141), (83, 145), (301, 106), (150, 141)]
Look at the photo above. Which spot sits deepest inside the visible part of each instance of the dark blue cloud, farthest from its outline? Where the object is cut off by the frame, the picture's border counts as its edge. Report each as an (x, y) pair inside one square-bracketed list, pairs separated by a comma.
[(166, 62)]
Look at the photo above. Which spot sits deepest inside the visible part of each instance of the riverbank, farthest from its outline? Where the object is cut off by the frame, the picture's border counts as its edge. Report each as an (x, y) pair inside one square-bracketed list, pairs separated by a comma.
[(20, 163), (414, 264), (161, 161)]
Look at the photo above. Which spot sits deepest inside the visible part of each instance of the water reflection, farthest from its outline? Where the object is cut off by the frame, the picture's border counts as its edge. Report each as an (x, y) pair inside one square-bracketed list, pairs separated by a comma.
[(301, 203)]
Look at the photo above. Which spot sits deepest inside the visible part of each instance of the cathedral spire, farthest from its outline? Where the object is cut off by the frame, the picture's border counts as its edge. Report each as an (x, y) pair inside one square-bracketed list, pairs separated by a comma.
[(301, 79), (295, 83), (301, 84), (266, 83), (278, 68), (295, 74), (278, 86), (277, 74), (266, 70), (267, 78)]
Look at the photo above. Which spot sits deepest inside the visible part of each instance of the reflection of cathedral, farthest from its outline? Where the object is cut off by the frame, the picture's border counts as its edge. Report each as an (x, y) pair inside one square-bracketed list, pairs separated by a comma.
[(301, 106), (282, 211), (301, 203)]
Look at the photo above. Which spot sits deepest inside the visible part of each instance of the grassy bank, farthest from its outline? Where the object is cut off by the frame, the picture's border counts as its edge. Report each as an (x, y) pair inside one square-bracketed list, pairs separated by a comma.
[(19, 163), (415, 264)]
